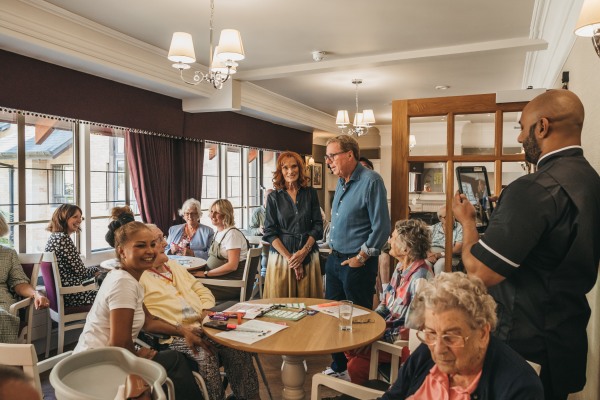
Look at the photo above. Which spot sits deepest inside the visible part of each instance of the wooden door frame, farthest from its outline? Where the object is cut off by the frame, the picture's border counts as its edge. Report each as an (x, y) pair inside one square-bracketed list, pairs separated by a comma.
[(403, 110)]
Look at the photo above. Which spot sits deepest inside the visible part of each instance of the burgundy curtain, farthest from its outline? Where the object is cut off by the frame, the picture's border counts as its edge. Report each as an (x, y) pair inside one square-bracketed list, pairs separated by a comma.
[(164, 173)]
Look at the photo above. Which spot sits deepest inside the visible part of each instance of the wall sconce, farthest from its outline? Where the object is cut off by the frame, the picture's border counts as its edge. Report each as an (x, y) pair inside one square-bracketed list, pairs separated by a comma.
[(588, 24), (311, 161)]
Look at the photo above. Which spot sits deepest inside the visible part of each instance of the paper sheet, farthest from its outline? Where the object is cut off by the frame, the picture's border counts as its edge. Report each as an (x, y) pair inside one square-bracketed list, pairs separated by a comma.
[(252, 337), (332, 309)]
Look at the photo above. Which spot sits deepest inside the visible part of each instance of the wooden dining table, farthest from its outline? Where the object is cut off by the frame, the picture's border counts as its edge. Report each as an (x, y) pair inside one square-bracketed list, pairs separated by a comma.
[(313, 334)]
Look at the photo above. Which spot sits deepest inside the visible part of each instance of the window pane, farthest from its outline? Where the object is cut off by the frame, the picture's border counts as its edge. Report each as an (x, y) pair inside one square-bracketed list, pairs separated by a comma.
[(210, 179), (269, 166), (37, 236), (474, 134), (234, 176), (254, 192), (430, 136), (512, 171), (107, 177), (8, 172), (510, 133)]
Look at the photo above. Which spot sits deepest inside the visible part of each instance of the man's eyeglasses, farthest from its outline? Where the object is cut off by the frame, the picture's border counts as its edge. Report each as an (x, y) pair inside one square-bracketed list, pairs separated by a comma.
[(431, 338), (331, 157)]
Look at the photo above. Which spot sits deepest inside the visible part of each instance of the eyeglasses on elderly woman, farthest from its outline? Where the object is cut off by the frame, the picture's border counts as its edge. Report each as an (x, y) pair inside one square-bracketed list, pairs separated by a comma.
[(431, 339)]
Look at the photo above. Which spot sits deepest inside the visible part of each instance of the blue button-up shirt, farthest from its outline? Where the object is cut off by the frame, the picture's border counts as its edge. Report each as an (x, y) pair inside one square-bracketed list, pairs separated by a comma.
[(360, 219)]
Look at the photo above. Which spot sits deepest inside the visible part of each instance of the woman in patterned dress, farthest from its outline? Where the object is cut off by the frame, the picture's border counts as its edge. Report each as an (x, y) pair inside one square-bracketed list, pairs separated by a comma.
[(66, 221), (13, 280)]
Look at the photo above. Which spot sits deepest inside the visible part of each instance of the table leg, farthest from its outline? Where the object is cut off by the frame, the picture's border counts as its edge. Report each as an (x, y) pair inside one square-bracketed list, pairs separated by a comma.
[(293, 375)]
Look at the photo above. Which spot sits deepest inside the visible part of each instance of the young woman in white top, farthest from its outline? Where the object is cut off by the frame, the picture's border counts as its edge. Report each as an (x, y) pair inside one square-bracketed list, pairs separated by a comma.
[(118, 313), (227, 253)]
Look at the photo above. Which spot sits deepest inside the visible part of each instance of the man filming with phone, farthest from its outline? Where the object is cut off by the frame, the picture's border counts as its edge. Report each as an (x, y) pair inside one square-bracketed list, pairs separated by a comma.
[(540, 252)]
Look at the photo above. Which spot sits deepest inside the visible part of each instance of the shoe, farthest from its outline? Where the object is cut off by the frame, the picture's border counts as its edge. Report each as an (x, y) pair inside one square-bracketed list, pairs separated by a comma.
[(340, 375)]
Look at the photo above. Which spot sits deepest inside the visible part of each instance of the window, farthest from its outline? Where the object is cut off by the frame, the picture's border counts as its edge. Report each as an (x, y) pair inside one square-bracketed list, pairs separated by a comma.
[(239, 174), (40, 159)]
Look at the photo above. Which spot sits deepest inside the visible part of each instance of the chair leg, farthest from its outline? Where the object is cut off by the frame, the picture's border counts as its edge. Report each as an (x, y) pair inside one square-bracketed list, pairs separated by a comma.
[(61, 339), (262, 374), (48, 335)]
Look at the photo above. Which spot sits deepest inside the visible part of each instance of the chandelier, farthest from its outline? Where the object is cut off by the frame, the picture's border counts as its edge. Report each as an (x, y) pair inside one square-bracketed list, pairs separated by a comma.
[(222, 63), (362, 121)]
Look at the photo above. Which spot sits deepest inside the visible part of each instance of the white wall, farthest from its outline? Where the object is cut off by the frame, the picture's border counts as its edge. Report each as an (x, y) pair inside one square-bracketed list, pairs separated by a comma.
[(584, 67)]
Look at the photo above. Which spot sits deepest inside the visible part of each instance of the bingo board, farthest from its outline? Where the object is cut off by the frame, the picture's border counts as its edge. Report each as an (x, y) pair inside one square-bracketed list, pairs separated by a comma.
[(288, 311)]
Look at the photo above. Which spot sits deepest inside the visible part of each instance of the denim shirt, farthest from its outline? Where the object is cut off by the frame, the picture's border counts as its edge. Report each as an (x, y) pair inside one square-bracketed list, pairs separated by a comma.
[(293, 223), (360, 219)]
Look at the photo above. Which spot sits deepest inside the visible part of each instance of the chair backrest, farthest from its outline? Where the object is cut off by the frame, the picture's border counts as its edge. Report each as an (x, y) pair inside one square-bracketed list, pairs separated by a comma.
[(24, 357), (30, 262), (49, 270), (250, 270)]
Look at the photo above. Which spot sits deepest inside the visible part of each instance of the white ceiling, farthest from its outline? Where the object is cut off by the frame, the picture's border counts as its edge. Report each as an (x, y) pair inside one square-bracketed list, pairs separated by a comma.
[(400, 48)]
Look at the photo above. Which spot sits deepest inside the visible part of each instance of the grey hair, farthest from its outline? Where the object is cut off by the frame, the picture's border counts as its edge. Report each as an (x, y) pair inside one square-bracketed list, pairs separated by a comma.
[(3, 225), (414, 236), (455, 290), (347, 143), (191, 203)]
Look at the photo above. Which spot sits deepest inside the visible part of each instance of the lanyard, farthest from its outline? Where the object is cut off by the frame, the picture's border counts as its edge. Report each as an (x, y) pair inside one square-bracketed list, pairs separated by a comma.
[(164, 276)]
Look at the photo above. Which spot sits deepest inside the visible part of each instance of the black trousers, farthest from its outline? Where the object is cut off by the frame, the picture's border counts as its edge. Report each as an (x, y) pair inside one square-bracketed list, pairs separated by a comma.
[(179, 370)]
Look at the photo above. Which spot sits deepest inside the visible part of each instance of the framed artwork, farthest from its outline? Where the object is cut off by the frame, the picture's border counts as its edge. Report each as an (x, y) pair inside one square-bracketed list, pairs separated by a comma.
[(317, 175)]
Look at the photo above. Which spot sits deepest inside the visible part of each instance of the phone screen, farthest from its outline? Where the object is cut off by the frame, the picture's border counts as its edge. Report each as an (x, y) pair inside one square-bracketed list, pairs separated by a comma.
[(474, 184)]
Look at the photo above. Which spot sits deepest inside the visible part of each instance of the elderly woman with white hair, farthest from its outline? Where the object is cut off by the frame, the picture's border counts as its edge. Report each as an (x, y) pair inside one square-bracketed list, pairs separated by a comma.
[(192, 238), (459, 359)]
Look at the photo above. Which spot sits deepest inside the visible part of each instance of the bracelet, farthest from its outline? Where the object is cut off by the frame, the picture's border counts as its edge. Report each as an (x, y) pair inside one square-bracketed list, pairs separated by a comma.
[(35, 293)]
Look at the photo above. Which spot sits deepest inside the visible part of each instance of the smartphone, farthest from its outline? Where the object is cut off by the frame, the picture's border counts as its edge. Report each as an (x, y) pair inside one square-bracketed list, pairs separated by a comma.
[(474, 184)]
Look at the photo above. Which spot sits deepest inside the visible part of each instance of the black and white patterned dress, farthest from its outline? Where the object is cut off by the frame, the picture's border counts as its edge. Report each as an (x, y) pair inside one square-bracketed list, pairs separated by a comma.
[(71, 268)]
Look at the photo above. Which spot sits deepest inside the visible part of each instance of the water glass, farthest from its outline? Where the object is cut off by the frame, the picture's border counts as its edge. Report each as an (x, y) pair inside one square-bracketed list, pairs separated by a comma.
[(345, 315)]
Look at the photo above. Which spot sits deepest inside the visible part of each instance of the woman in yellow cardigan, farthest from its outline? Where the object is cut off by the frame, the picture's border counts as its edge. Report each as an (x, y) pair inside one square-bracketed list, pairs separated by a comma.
[(173, 294)]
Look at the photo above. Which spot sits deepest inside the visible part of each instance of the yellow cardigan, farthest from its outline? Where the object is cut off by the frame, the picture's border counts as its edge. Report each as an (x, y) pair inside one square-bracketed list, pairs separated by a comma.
[(166, 300)]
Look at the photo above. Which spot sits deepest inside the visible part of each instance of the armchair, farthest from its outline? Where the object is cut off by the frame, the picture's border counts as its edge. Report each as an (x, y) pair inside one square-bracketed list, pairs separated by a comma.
[(31, 266)]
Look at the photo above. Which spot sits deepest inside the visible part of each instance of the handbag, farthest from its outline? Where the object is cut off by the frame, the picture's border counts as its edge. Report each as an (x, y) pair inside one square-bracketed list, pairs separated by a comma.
[(136, 388)]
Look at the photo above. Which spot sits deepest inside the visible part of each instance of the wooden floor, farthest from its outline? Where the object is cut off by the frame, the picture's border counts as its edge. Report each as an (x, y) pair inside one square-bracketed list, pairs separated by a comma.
[(272, 367)]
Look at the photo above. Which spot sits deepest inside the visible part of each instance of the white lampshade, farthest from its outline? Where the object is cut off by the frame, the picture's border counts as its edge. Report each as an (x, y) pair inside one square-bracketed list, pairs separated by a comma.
[(230, 45), (182, 48), (218, 65), (359, 120), (369, 117), (342, 118), (589, 19)]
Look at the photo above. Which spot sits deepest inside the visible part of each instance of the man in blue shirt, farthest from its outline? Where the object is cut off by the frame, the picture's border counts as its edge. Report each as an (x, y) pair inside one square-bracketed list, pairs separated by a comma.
[(360, 226)]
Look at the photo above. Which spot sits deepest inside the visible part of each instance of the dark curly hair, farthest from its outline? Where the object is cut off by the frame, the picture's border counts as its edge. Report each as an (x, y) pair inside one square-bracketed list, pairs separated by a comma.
[(279, 180), (414, 236), (121, 216)]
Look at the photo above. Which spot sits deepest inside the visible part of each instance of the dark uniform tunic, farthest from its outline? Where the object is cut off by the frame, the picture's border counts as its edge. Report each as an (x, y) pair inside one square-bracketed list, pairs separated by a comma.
[(544, 238)]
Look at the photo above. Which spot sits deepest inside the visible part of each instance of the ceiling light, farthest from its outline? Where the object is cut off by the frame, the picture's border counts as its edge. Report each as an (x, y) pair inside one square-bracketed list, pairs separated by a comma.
[(318, 55), (442, 87), (589, 23), (222, 63), (362, 121)]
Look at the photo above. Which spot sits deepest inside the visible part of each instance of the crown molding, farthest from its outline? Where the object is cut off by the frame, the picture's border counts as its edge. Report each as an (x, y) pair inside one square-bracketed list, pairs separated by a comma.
[(37, 29)]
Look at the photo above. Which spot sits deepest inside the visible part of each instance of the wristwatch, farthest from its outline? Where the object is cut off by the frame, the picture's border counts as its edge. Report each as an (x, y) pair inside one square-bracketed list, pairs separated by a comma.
[(206, 273), (360, 258)]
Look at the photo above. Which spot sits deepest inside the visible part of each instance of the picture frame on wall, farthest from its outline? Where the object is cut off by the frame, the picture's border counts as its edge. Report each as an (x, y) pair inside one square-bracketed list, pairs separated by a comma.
[(317, 175)]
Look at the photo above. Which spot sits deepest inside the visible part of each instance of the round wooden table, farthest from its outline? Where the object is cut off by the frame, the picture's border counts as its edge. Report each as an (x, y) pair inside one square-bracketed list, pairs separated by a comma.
[(313, 334)]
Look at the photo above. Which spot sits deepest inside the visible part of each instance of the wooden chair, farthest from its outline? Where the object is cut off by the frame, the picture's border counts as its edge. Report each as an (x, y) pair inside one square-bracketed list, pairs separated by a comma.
[(361, 392), (67, 318), (24, 357), (31, 266), (246, 283)]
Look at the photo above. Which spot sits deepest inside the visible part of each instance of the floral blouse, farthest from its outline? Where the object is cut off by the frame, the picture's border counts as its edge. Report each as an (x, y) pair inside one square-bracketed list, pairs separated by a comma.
[(71, 268)]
